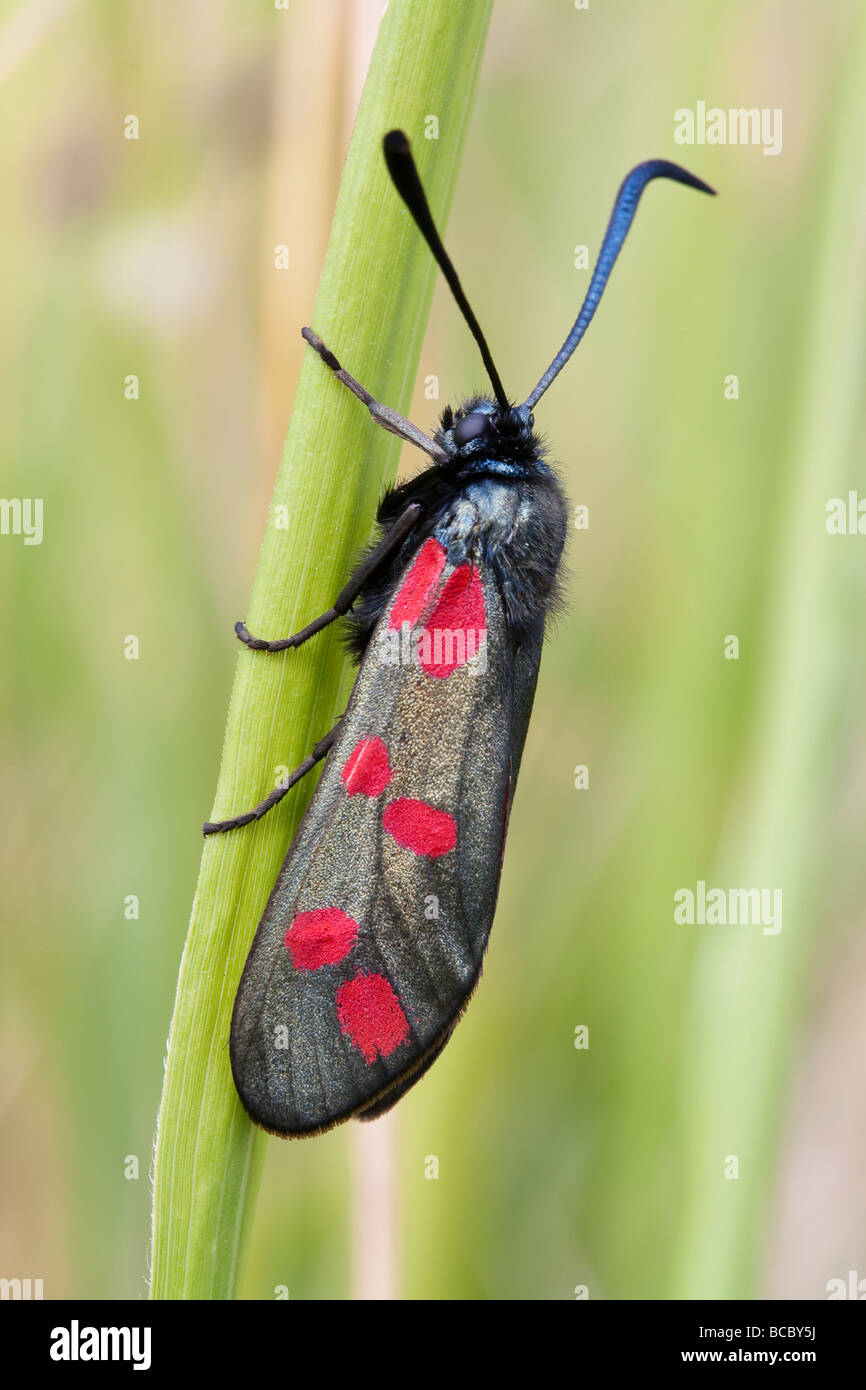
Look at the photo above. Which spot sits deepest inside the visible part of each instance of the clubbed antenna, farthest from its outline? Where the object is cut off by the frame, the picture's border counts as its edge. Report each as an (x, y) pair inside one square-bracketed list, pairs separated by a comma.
[(404, 174), (621, 219)]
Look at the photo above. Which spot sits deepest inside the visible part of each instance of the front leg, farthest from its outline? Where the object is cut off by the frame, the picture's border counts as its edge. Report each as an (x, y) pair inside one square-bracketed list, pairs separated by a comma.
[(382, 414), (387, 546)]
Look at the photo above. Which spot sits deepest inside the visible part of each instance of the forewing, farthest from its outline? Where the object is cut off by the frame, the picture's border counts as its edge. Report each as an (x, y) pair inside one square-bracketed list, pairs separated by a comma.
[(373, 937)]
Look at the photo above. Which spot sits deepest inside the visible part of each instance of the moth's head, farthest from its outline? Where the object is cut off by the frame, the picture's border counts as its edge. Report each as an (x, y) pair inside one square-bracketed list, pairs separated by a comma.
[(481, 433)]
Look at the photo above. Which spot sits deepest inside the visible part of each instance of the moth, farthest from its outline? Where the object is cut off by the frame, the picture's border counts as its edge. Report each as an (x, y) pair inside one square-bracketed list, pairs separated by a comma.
[(373, 937)]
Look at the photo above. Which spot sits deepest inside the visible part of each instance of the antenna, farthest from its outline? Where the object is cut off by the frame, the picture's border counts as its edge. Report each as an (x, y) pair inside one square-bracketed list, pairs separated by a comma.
[(621, 219), (404, 175)]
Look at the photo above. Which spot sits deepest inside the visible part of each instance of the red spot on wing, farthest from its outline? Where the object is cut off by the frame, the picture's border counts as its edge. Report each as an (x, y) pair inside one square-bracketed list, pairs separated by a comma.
[(420, 827), (323, 936), (367, 770), (418, 584), (453, 632), (371, 1016)]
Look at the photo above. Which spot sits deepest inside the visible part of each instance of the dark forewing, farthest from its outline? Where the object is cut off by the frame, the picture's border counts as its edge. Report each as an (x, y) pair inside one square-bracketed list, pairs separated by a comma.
[(373, 937)]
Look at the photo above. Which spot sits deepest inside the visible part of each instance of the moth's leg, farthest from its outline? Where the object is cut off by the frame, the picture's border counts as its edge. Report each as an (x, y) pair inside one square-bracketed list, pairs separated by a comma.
[(382, 414), (213, 827), (346, 597)]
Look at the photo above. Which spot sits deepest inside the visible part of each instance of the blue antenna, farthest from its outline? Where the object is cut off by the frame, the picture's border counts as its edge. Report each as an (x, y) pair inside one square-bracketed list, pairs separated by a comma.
[(621, 219)]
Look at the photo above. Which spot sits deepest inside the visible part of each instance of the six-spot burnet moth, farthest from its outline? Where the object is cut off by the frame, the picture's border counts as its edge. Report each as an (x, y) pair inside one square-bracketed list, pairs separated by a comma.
[(373, 937)]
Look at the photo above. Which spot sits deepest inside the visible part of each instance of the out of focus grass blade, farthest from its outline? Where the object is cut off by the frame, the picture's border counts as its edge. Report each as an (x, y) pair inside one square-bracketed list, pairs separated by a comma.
[(748, 986)]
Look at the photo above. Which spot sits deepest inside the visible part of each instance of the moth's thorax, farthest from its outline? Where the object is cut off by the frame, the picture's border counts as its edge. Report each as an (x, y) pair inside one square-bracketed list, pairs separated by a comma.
[(493, 503), (484, 513), (482, 439), (513, 530)]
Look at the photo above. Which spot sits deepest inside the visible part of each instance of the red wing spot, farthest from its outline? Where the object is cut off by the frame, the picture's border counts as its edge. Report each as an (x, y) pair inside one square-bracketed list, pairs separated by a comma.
[(416, 587), (367, 770), (452, 634), (419, 827), (323, 936), (371, 1016)]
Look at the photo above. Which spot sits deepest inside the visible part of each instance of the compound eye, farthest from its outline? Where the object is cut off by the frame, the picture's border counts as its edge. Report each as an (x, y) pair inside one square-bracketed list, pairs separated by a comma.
[(471, 427)]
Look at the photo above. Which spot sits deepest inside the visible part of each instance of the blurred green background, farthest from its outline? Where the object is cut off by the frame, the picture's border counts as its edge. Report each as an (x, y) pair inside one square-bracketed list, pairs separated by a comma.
[(609, 1168)]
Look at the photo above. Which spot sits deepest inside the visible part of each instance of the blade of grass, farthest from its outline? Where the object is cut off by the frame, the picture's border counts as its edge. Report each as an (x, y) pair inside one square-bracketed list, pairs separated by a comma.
[(372, 306), (747, 985)]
